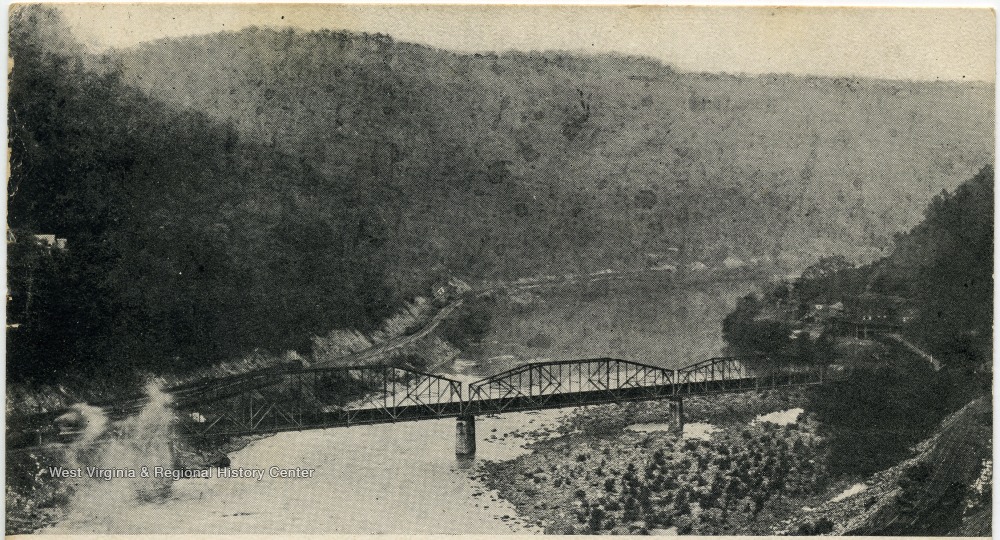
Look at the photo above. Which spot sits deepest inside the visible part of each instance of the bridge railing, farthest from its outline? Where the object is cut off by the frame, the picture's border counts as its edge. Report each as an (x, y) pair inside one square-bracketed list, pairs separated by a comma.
[(594, 380), (747, 372), (317, 397)]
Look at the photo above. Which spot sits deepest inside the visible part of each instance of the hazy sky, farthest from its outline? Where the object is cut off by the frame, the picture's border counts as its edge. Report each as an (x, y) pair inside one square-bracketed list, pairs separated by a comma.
[(912, 43)]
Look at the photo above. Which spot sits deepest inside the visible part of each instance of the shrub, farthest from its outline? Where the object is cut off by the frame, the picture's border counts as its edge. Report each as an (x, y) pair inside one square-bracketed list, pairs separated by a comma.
[(821, 526), (469, 324), (596, 520)]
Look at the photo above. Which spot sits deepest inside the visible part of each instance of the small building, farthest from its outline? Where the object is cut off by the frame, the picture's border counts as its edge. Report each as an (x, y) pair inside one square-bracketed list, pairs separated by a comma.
[(445, 292), (878, 308), (48, 240), (822, 313), (869, 314)]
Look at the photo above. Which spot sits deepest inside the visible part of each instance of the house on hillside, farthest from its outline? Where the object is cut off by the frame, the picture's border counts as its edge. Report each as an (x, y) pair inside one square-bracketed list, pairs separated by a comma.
[(877, 308), (870, 314), (49, 241), (823, 313), (445, 293)]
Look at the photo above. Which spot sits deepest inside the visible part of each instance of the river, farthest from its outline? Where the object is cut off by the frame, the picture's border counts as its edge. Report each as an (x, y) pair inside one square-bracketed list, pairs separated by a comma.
[(384, 479), (390, 478)]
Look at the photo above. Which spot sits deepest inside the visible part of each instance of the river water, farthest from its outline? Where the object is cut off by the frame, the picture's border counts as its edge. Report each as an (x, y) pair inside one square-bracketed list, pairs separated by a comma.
[(392, 478)]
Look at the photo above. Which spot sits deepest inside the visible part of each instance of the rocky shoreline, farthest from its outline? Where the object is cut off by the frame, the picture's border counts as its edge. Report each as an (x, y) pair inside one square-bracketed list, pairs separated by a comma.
[(763, 470), (598, 477)]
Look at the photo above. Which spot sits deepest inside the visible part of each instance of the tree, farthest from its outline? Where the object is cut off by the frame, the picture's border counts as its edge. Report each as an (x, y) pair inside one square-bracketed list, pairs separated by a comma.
[(175, 259), (826, 266), (596, 521)]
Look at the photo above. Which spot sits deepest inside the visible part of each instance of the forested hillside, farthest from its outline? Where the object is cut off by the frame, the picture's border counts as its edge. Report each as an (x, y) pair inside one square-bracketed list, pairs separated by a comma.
[(506, 164), (943, 270), (187, 243), (246, 190), (945, 264)]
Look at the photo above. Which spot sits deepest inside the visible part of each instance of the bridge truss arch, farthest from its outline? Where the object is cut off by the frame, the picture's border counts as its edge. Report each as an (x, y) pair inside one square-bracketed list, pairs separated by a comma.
[(544, 385), (288, 399), (314, 398)]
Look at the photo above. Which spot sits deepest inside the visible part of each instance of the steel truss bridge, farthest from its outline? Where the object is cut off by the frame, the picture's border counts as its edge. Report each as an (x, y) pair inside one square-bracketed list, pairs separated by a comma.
[(275, 400)]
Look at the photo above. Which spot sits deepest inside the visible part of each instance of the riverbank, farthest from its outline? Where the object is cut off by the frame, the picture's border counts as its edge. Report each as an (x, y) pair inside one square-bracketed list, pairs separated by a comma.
[(746, 464), (506, 443), (599, 477), (943, 489), (34, 499), (94, 437)]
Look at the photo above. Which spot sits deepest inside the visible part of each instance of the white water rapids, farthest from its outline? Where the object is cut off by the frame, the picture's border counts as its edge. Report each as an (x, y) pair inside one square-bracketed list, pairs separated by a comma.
[(141, 440)]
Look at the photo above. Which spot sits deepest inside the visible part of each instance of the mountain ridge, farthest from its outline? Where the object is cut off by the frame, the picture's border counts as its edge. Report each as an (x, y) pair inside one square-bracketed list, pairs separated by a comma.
[(606, 155)]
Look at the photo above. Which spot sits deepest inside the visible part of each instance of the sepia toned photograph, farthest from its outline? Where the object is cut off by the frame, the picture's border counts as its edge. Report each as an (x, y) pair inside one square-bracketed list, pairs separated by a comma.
[(411, 269)]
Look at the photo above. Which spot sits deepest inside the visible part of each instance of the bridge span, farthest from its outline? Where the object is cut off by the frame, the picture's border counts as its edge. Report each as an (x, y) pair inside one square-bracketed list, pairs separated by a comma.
[(293, 399)]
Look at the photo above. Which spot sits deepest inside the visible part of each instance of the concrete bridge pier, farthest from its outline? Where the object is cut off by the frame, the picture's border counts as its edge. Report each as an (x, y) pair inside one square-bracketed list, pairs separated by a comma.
[(677, 414), (465, 436)]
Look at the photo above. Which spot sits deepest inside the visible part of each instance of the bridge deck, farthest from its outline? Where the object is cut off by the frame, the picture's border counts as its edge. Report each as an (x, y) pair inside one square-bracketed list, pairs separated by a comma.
[(291, 400)]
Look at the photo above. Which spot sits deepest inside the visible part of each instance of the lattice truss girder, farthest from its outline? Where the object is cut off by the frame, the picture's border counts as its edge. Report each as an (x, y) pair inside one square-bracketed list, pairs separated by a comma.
[(300, 398), (735, 373), (308, 398), (581, 381)]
